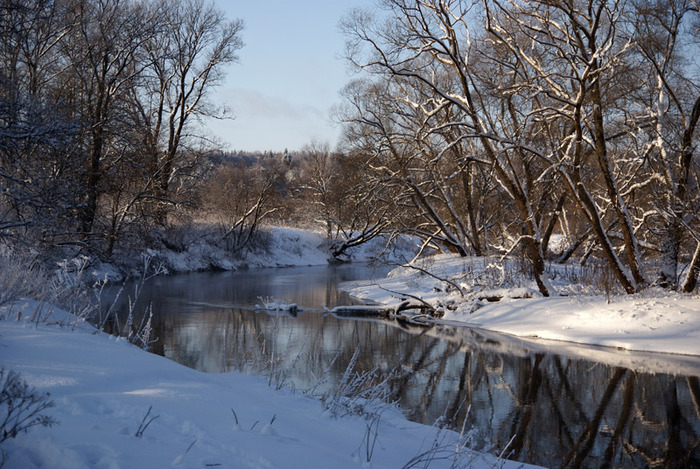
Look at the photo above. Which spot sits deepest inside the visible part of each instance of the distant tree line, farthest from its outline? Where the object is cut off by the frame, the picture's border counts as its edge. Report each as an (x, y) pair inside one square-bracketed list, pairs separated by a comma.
[(488, 126), (99, 109)]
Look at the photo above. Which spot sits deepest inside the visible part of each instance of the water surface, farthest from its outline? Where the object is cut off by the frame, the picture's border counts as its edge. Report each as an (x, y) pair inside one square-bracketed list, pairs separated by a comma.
[(552, 404)]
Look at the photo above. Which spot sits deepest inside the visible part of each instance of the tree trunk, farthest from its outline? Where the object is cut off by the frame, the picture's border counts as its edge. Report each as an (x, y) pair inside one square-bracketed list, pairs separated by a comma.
[(670, 248), (691, 280), (467, 186), (630, 239), (89, 211), (552, 223), (589, 209), (672, 242)]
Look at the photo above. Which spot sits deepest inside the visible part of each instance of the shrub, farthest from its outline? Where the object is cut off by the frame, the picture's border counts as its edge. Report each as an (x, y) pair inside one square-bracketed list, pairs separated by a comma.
[(21, 277), (21, 406)]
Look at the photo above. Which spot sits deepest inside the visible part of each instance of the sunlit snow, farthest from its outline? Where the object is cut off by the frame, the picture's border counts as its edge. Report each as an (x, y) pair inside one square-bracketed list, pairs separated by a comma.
[(104, 388)]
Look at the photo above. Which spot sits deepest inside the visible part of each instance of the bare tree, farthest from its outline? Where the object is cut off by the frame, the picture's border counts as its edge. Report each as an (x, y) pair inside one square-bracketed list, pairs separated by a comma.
[(425, 49), (569, 55), (318, 179), (97, 106), (184, 56), (36, 135), (103, 52), (663, 36), (583, 106), (361, 209), (241, 197), (186, 60)]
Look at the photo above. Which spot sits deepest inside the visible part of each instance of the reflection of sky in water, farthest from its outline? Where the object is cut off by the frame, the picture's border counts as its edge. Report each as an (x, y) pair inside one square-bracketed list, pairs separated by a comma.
[(310, 287), (511, 387)]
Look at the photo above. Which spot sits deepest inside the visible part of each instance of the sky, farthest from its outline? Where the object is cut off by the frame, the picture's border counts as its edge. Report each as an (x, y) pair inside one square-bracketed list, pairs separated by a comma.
[(289, 75)]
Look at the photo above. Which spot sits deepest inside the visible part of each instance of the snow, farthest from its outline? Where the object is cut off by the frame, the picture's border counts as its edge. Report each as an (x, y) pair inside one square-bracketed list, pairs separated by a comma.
[(669, 325), (291, 247), (287, 247), (654, 320), (279, 247), (272, 305), (103, 389)]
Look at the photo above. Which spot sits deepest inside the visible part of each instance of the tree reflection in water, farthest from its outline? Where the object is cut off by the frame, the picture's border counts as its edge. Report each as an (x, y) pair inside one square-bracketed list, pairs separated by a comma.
[(555, 411), (579, 407)]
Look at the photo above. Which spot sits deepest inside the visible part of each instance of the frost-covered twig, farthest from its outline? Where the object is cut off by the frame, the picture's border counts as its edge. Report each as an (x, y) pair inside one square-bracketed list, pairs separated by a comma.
[(323, 378), (25, 279), (74, 291), (442, 448), (360, 393), (141, 335)]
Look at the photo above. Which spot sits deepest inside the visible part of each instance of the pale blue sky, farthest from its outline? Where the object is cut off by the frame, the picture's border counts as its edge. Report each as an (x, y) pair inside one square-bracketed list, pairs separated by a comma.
[(289, 75)]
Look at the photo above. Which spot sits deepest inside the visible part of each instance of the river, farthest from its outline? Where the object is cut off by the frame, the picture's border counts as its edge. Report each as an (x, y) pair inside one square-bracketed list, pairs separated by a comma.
[(546, 403)]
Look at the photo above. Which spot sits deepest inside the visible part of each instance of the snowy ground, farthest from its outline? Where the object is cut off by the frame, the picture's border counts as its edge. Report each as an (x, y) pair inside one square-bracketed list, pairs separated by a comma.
[(654, 320), (281, 247), (103, 389)]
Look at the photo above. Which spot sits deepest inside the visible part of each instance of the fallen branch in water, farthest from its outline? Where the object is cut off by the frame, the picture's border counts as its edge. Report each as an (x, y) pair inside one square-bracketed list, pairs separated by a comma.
[(422, 312)]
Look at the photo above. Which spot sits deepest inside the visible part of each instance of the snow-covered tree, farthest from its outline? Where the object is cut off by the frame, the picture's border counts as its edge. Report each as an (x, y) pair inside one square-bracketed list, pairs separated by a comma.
[(582, 107), (665, 121), (97, 101), (38, 168), (424, 52)]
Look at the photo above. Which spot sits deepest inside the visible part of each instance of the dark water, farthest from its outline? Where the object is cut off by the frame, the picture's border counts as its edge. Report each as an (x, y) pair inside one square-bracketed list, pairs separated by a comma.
[(552, 404)]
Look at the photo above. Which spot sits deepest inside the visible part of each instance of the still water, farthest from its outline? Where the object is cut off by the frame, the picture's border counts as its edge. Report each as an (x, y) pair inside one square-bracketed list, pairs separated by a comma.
[(552, 404)]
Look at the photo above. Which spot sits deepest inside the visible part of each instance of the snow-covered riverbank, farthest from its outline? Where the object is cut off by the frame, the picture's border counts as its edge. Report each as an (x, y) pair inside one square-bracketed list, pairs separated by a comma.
[(103, 389), (275, 246), (654, 320)]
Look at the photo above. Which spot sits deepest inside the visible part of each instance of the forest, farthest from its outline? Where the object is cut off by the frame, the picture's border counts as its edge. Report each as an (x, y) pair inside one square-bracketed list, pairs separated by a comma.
[(548, 131)]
